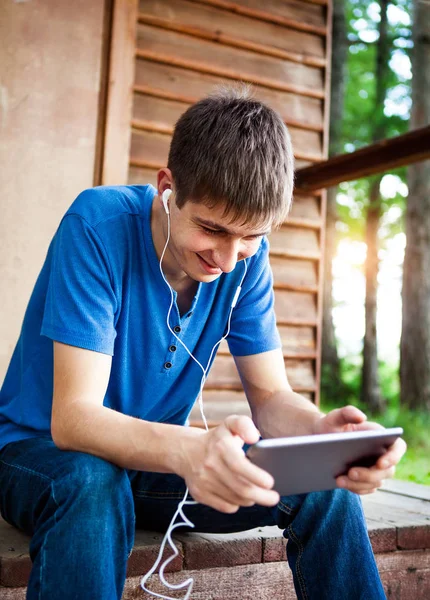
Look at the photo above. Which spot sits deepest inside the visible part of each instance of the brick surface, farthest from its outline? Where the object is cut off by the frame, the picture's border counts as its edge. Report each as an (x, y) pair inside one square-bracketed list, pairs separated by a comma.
[(15, 564), (383, 536), (414, 537), (407, 585), (252, 564), (251, 582), (406, 560), (205, 551), (274, 545), (13, 593), (145, 553)]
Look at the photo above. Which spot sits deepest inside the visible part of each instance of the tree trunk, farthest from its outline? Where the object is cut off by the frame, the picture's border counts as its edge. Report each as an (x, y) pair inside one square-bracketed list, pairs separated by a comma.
[(330, 359), (415, 340), (370, 387)]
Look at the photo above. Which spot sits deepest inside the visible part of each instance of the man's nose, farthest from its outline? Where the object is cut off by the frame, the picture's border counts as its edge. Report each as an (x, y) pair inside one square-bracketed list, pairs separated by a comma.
[(227, 256)]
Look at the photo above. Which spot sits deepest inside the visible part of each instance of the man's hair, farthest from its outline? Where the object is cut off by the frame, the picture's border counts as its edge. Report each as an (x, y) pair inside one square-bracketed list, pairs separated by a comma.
[(234, 150)]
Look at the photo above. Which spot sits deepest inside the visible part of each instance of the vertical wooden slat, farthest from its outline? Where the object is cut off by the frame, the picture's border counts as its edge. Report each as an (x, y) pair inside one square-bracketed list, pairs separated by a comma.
[(103, 95), (323, 201), (320, 301), (120, 93)]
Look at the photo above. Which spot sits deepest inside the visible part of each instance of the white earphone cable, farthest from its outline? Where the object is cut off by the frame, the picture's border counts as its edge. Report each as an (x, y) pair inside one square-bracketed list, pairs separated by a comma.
[(179, 511)]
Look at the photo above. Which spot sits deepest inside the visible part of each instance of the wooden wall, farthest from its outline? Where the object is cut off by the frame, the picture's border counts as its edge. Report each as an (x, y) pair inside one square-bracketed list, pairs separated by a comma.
[(182, 49)]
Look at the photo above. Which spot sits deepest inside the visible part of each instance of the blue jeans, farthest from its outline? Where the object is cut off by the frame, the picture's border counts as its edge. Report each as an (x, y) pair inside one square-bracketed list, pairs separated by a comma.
[(81, 512)]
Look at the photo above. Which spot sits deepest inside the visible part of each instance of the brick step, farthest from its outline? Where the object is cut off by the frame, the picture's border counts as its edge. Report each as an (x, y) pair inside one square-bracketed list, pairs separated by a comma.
[(250, 565)]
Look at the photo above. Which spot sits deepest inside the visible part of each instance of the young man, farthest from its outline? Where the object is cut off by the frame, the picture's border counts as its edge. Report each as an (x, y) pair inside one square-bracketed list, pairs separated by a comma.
[(93, 407)]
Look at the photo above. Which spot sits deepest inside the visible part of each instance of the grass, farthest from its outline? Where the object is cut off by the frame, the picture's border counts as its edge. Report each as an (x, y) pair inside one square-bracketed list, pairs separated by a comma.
[(415, 465)]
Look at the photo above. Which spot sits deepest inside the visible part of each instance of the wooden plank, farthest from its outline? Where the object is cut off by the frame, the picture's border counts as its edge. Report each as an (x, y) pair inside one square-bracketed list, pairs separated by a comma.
[(290, 238), (406, 504), (182, 85), (211, 23), (160, 115), (224, 375), (327, 78), (276, 11), (306, 207), (304, 223), (407, 488), (150, 149), (290, 272), (380, 157), (142, 176), (103, 94), (208, 57), (121, 78), (300, 340), (219, 404), (295, 307), (297, 342), (320, 296)]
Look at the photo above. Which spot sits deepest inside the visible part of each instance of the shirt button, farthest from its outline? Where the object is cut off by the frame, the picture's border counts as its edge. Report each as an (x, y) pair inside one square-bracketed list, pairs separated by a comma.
[(177, 329), (168, 365), (172, 348)]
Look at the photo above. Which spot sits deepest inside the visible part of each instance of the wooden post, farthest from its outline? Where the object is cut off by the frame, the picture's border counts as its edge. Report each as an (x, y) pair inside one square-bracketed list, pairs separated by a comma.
[(120, 93)]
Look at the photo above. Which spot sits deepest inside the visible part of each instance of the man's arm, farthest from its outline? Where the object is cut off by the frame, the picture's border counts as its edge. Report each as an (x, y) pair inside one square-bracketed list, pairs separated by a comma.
[(278, 411), (212, 464)]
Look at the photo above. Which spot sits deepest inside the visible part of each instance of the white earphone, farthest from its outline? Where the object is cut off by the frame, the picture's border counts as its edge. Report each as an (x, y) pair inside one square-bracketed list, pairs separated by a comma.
[(165, 199)]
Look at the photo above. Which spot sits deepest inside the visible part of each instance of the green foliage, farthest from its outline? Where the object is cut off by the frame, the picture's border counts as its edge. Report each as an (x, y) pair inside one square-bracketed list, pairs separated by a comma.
[(361, 113), (415, 465)]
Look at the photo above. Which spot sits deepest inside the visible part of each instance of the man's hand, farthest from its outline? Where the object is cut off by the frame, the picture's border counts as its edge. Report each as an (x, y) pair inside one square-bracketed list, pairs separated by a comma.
[(361, 480), (218, 473)]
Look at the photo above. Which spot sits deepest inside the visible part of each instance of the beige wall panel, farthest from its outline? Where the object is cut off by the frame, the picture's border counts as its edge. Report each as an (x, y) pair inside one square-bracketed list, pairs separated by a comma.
[(50, 81), (222, 22), (293, 272), (175, 48), (177, 82), (312, 14), (162, 115)]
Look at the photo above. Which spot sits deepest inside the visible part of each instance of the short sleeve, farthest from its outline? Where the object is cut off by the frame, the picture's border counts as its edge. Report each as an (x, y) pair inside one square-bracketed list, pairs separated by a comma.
[(80, 302), (253, 323)]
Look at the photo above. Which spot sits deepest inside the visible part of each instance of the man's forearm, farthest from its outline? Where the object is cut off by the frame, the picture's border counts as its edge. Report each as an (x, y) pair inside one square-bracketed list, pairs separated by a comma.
[(284, 414), (126, 441)]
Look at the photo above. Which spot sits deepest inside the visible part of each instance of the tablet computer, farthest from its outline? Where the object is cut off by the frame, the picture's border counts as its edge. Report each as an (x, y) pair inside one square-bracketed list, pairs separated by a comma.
[(311, 463)]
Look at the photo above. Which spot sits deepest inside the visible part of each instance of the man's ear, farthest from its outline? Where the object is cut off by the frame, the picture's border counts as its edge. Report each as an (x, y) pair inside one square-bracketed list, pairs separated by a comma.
[(164, 180)]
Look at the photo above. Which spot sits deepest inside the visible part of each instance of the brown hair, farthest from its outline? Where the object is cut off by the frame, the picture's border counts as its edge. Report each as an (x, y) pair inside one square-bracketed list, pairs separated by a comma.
[(232, 149)]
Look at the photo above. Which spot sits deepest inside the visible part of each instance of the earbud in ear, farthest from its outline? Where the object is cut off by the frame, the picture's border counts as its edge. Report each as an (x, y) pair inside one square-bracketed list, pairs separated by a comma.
[(165, 199)]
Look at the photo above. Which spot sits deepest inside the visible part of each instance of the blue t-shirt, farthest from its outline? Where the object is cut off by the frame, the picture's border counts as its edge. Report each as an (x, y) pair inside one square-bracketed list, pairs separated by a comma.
[(100, 288)]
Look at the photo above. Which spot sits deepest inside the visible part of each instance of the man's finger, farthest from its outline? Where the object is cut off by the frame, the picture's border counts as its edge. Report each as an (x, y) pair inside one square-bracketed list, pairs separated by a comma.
[(244, 427)]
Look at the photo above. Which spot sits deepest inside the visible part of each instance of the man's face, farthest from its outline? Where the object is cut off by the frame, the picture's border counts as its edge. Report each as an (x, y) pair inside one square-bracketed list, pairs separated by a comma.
[(204, 243)]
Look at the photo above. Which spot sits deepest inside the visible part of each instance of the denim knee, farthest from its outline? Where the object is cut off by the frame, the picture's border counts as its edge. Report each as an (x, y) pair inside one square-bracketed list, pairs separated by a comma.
[(92, 481)]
